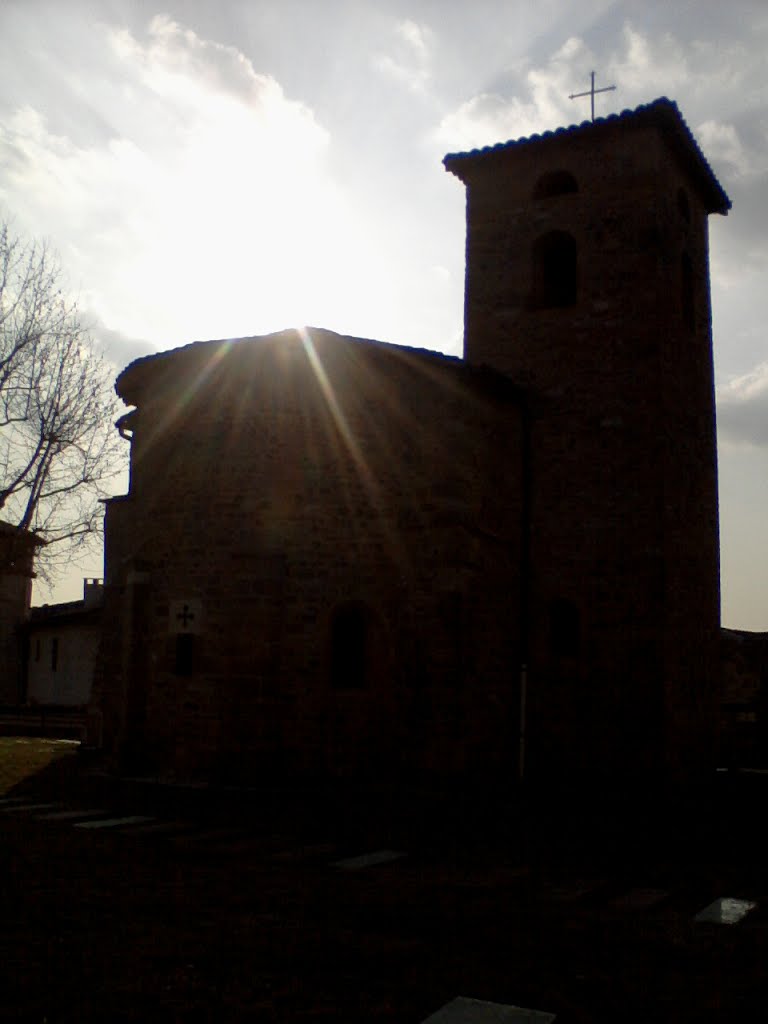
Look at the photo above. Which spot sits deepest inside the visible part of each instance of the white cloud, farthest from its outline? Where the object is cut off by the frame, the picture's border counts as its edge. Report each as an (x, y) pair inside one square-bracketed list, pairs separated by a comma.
[(410, 63), (541, 102), (417, 37), (649, 67), (207, 211), (642, 66)]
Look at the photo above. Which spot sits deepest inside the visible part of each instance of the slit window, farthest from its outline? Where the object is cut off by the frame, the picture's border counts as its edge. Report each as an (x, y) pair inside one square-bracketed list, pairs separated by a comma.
[(683, 206), (350, 640), (686, 290), (54, 654), (564, 629), (184, 662)]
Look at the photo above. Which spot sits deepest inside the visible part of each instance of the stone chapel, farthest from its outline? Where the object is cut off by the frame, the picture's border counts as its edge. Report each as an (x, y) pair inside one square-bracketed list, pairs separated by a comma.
[(349, 559)]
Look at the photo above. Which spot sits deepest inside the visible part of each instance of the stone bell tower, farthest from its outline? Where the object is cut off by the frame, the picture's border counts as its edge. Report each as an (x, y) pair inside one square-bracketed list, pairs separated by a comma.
[(587, 282)]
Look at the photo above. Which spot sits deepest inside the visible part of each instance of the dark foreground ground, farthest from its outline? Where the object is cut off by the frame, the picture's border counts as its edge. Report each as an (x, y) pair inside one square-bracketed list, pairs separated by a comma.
[(229, 907)]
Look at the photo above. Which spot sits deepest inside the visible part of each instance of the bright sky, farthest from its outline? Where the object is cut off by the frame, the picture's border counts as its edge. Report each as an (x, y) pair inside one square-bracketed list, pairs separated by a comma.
[(217, 170)]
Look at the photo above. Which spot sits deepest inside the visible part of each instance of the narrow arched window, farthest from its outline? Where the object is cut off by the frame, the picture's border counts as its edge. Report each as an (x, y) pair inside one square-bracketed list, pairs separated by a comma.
[(184, 654), (683, 206), (555, 183), (554, 271), (350, 641), (564, 629), (687, 302)]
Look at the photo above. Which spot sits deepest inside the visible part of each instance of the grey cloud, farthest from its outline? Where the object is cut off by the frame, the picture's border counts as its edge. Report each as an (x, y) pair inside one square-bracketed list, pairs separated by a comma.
[(742, 241), (118, 348), (742, 409)]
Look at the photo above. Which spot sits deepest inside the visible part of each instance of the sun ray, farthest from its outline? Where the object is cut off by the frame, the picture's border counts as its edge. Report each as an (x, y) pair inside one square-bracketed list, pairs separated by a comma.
[(186, 396), (367, 478)]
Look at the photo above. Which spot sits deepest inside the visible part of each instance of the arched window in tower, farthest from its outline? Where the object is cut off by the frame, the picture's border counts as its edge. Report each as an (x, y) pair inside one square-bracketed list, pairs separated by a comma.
[(686, 292), (350, 641), (554, 271), (555, 183)]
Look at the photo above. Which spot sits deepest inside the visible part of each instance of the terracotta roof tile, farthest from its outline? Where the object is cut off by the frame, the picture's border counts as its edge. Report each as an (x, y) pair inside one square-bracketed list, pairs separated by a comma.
[(663, 112)]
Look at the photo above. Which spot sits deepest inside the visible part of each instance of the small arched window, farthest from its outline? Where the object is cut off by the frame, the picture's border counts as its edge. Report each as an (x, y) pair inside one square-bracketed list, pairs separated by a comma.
[(687, 303), (555, 183), (564, 629), (350, 642), (554, 271)]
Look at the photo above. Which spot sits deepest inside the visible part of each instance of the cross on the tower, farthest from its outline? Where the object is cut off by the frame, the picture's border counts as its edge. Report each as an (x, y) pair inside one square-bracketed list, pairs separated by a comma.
[(185, 616), (591, 93)]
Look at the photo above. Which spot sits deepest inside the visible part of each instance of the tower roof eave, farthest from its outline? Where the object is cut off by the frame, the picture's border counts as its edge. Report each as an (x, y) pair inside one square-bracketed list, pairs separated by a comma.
[(663, 113)]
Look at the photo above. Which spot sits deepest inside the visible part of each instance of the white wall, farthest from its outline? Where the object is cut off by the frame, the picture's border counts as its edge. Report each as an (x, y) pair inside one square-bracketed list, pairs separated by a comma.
[(70, 682)]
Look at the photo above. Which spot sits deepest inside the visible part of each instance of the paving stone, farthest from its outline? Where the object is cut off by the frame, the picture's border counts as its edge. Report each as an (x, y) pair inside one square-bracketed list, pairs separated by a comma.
[(573, 891), (25, 808), (640, 899), (131, 819), (210, 836), (368, 860), (475, 1011), (71, 815), (299, 853), (726, 910), (162, 827)]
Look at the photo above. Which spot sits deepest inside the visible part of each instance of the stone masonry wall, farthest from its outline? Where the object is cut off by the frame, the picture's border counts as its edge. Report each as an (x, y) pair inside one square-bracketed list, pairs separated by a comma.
[(288, 485), (624, 500)]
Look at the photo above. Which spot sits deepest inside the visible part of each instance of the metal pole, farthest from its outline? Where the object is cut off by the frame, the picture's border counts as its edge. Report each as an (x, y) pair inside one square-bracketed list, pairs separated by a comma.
[(523, 697)]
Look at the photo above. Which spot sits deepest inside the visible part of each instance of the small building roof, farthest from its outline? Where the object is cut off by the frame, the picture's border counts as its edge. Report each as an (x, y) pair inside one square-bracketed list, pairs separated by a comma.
[(27, 536), (65, 613), (662, 113), (172, 364)]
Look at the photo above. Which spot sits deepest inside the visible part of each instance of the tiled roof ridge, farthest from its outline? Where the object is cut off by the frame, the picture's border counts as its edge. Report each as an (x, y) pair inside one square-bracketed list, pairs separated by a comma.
[(663, 103)]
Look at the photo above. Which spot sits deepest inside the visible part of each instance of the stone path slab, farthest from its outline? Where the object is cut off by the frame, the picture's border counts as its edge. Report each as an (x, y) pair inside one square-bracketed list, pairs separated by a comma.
[(639, 899), (726, 910), (131, 819), (368, 860), (210, 836), (475, 1011), (162, 827), (26, 808), (91, 812), (573, 891), (293, 854)]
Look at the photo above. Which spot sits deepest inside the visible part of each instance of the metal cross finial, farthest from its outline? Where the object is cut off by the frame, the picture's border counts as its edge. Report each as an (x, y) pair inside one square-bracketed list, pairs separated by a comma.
[(591, 93)]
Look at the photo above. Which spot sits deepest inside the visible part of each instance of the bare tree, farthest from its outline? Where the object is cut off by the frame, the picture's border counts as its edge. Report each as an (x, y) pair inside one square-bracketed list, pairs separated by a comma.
[(58, 446)]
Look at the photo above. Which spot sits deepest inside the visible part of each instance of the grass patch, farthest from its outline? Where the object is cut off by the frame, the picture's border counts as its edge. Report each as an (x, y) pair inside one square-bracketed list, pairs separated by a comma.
[(21, 757)]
